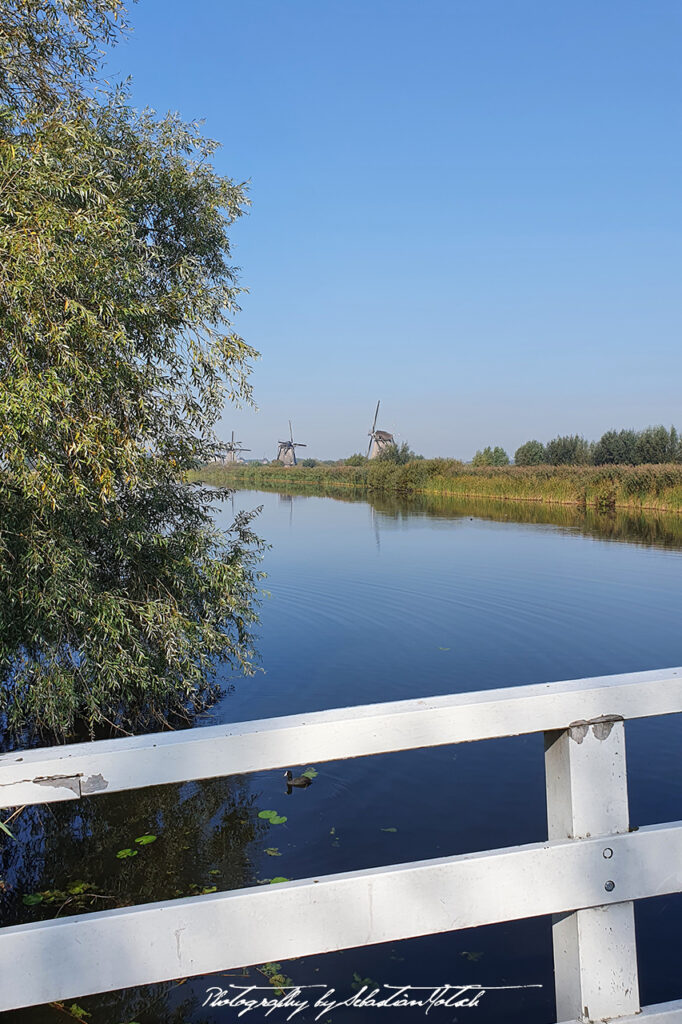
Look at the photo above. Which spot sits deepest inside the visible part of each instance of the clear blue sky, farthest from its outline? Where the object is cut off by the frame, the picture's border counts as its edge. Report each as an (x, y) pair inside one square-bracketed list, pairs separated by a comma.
[(469, 209)]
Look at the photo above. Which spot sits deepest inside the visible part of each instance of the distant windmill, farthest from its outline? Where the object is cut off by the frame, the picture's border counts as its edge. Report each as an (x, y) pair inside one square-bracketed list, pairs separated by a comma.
[(286, 453), (379, 440), (232, 450)]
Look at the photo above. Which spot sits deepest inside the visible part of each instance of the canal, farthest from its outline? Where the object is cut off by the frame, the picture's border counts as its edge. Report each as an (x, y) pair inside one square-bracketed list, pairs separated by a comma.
[(375, 600)]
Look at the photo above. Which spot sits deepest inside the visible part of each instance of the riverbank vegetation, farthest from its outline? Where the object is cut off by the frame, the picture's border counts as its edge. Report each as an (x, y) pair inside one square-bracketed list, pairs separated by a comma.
[(118, 596), (601, 487)]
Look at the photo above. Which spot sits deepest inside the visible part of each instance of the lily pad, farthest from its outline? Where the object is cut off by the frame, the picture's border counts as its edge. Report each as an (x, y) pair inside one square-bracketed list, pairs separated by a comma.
[(77, 887), (145, 840), (280, 878), (310, 773), (272, 851), (31, 899), (360, 983), (77, 1012), (122, 854), (273, 817)]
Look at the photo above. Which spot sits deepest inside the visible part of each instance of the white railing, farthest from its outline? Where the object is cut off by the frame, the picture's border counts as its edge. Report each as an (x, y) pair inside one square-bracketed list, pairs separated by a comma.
[(588, 873)]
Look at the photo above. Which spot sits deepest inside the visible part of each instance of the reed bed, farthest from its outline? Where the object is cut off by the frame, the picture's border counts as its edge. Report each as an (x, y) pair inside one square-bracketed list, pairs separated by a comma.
[(654, 487)]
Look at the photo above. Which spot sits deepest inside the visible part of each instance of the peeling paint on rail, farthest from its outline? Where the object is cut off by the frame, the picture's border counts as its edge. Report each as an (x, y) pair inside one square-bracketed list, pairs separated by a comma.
[(601, 727)]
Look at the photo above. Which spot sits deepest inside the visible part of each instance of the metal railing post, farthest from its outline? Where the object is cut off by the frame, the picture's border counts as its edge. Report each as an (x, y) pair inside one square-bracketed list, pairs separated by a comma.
[(595, 953)]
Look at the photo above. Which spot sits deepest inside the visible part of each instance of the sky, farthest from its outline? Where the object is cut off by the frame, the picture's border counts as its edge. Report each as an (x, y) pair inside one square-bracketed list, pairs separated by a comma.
[(468, 209)]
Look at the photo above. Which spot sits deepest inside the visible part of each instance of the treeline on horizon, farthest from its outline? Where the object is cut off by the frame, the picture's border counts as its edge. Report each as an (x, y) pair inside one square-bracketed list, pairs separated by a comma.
[(624, 469), (651, 446)]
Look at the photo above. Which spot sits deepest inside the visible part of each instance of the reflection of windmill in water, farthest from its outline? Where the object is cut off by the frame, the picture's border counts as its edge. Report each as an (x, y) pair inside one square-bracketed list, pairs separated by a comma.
[(288, 499), (232, 450), (286, 453), (375, 526), (379, 440)]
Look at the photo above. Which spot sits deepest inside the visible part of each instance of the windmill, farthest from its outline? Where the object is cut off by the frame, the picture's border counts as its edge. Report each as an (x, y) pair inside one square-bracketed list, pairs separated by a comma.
[(286, 453), (379, 440), (232, 450)]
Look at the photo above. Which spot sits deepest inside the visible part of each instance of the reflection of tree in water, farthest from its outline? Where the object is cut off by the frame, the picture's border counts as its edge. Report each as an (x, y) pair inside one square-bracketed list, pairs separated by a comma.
[(203, 832), (653, 529), (167, 1003)]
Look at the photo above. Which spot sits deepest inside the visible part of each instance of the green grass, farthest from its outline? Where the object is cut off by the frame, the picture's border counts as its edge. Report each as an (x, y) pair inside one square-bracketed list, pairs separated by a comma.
[(655, 487)]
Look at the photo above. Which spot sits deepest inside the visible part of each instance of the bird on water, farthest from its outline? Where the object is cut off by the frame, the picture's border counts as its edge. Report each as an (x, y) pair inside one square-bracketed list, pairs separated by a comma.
[(300, 782)]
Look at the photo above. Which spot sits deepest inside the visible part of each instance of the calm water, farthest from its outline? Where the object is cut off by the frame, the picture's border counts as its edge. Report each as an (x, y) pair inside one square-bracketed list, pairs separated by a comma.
[(371, 603)]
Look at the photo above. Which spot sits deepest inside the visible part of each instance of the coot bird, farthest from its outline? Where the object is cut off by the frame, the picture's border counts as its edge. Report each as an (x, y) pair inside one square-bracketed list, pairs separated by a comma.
[(300, 782)]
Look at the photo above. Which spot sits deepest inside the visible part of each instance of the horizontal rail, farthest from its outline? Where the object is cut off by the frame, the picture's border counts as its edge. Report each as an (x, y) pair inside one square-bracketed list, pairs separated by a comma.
[(50, 774), (659, 1013), (114, 949)]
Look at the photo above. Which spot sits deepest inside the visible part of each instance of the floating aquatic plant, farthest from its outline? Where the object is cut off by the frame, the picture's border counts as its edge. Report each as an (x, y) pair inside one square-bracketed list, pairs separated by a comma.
[(273, 817)]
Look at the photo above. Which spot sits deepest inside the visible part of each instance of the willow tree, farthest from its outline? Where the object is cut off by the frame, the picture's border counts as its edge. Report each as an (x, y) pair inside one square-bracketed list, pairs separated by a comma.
[(118, 596)]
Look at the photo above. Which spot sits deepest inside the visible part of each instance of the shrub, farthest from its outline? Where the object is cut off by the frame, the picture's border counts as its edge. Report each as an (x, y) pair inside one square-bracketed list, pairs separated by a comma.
[(399, 455)]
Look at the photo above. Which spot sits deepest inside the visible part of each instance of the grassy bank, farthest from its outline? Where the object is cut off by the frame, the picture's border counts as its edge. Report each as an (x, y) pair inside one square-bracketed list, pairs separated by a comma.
[(656, 487)]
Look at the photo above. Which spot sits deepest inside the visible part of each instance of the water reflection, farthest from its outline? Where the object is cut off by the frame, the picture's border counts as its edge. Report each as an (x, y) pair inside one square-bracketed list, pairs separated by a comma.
[(76, 858), (629, 526), (380, 597)]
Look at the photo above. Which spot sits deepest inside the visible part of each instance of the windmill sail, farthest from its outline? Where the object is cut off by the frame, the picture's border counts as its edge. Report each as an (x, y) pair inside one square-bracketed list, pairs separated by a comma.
[(379, 440), (286, 451), (233, 449)]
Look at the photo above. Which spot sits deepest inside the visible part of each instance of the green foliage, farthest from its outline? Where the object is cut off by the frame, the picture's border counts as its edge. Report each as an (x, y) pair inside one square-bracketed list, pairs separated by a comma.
[(77, 1012), (491, 457), (272, 817), (50, 48), (78, 895), (570, 450), (657, 445), (6, 830), (279, 981), (652, 446), (360, 983), (356, 460), (309, 463), (118, 596), (616, 447), (397, 455), (653, 487), (532, 453)]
